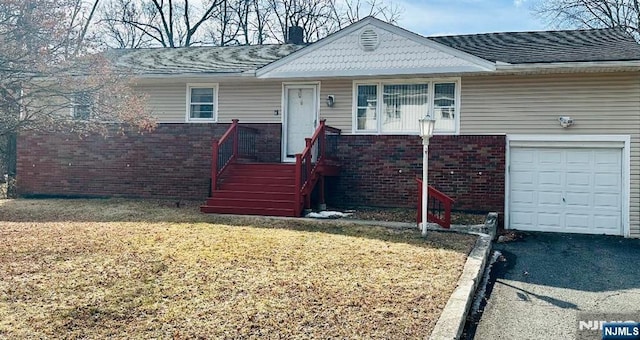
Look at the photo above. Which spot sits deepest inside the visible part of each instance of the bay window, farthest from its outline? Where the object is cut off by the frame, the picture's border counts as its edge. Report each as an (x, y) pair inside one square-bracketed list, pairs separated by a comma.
[(394, 107)]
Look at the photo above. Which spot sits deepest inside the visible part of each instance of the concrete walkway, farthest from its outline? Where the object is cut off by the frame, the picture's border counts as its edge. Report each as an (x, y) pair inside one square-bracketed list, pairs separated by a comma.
[(547, 282)]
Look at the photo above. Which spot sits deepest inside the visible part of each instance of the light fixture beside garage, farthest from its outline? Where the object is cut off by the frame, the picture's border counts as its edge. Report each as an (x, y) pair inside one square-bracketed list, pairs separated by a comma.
[(565, 121)]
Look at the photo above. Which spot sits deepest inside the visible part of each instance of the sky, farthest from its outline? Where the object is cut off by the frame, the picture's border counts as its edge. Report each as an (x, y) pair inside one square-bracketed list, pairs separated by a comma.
[(444, 17)]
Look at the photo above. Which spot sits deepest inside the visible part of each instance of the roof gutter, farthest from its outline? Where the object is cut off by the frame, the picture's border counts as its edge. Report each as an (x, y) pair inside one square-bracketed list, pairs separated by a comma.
[(594, 65), (190, 75)]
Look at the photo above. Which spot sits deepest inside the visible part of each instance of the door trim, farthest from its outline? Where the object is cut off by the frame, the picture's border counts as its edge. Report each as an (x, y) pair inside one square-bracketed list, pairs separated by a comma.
[(575, 141), (283, 108)]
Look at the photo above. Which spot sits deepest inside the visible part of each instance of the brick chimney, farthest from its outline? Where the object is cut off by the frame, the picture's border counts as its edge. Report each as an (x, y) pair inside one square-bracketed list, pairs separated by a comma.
[(295, 35)]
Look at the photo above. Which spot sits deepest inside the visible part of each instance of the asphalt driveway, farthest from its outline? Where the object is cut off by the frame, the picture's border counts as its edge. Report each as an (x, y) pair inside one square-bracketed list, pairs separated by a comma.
[(547, 282)]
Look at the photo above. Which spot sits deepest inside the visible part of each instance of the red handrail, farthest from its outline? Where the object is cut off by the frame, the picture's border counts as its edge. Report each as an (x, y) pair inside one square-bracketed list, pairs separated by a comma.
[(232, 132), (304, 186), (443, 199)]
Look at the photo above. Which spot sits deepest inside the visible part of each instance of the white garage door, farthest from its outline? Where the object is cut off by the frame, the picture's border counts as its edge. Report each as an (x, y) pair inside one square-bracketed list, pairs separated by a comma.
[(570, 190)]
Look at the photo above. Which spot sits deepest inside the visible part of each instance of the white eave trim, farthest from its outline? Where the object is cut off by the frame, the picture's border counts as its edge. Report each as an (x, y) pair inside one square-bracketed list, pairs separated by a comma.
[(503, 67), (191, 75), (427, 71)]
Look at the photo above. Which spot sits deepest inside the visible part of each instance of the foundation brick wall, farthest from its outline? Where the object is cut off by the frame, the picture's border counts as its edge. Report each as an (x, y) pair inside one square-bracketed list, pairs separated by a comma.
[(381, 171), (173, 161)]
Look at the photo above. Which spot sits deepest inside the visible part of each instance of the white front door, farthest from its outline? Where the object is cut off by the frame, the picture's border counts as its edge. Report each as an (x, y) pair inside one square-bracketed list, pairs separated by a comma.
[(299, 119), (570, 190)]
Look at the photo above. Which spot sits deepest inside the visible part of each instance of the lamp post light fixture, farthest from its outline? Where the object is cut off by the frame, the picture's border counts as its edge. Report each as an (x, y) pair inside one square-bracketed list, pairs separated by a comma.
[(427, 124)]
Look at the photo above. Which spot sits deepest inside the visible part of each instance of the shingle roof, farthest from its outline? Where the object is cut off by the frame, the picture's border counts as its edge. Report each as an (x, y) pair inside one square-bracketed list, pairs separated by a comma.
[(511, 47), (185, 60), (608, 44)]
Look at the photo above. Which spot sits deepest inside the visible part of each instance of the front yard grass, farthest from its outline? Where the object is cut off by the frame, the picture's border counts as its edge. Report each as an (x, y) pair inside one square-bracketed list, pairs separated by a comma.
[(148, 269)]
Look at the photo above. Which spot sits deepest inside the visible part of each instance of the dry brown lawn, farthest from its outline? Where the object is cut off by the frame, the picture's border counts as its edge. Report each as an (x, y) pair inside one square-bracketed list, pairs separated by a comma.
[(146, 269)]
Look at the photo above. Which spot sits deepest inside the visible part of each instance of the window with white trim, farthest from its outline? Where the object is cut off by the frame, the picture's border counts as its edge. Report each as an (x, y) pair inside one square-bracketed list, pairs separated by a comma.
[(394, 107), (202, 102)]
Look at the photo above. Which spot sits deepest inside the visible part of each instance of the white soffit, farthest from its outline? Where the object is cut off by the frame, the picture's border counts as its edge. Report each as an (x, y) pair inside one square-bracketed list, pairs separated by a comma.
[(369, 48)]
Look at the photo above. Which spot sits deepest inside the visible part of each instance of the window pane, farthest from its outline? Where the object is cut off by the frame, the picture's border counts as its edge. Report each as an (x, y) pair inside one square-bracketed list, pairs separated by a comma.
[(82, 105), (367, 107), (201, 111), (202, 95), (403, 106), (445, 106)]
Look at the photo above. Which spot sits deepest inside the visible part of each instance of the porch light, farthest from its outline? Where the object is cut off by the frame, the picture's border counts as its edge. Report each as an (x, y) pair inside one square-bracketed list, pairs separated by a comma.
[(427, 124), (331, 100)]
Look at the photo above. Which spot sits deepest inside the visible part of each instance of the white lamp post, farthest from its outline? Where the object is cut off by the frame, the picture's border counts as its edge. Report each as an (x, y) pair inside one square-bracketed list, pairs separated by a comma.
[(427, 124)]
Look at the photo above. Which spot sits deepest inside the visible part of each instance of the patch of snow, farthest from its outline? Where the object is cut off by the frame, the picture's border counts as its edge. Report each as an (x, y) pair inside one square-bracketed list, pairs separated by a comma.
[(327, 214)]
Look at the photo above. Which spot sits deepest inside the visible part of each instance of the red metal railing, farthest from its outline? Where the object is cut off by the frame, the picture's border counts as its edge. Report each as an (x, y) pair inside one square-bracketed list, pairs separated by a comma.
[(238, 141), (320, 147), (439, 207)]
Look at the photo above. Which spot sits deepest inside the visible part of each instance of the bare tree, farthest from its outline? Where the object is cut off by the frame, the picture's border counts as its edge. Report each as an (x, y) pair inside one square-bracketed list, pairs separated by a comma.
[(115, 31), (350, 11), (44, 65), (591, 13), (173, 23), (314, 16), (168, 23)]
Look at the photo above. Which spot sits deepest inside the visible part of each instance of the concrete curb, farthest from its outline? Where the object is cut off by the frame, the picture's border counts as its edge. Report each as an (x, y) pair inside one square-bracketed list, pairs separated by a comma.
[(453, 318), (451, 323)]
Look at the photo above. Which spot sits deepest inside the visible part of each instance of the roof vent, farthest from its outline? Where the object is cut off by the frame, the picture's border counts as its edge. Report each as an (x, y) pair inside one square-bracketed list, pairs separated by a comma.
[(369, 40)]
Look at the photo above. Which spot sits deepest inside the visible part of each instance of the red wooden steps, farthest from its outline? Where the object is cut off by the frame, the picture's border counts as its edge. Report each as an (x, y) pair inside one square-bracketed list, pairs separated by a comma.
[(255, 189)]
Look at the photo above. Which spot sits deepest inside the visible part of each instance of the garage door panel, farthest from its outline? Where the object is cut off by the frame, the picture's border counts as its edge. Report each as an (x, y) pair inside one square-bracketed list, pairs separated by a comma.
[(551, 159), (523, 160), (577, 221), (606, 159), (552, 178), (522, 219), (576, 180), (607, 224), (550, 220), (566, 189), (526, 198), (607, 181), (604, 201), (578, 199), (523, 177), (548, 199), (579, 159)]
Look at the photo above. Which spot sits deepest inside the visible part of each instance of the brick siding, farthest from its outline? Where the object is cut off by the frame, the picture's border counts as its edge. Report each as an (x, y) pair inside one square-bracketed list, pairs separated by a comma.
[(173, 161), (381, 171)]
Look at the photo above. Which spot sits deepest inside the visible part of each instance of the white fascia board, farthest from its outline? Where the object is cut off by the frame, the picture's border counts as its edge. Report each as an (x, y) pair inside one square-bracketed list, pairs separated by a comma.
[(485, 65), (376, 72), (191, 75), (186, 78), (501, 67)]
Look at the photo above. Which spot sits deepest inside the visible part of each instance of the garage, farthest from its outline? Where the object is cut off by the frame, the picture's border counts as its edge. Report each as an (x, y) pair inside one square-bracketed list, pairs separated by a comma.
[(564, 186)]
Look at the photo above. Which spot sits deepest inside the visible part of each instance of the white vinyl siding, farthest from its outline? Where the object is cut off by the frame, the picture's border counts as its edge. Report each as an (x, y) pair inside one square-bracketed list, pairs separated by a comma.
[(340, 115), (249, 101), (599, 104)]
